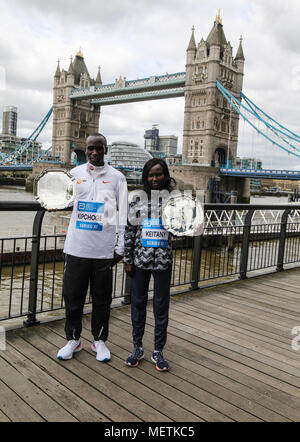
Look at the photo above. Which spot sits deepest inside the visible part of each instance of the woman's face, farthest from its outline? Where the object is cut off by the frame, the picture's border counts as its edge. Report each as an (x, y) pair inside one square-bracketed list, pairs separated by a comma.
[(156, 177)]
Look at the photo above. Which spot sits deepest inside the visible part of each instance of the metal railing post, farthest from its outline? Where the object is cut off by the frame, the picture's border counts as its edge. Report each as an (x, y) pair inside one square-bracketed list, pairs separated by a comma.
[(195, 264), (282, 239), (34, 269), (245, 244)]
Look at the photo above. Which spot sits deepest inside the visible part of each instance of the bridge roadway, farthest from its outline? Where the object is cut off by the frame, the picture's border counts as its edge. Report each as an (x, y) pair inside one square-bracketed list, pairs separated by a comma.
[(23, 166), (262, 173), (246, 173), (229, 349), (124, 91)]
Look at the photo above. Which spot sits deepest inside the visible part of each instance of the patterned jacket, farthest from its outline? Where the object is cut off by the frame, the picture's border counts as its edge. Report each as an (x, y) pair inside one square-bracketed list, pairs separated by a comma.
[(147, 258)]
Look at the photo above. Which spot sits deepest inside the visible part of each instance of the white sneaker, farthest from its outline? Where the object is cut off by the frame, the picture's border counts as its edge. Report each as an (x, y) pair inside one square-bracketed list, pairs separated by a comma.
[(71, 347), (103, 354)]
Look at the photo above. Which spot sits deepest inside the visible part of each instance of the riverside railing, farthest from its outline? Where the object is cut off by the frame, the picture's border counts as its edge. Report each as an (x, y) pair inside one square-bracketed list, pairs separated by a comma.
[(238, 239)]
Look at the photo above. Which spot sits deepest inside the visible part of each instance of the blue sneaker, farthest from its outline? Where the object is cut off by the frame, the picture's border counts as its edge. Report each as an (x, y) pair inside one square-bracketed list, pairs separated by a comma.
[(135, 357), (158, 359)]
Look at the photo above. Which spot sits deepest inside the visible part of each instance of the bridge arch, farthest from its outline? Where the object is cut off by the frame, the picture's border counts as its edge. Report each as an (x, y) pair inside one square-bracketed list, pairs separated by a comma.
[(220, 157)]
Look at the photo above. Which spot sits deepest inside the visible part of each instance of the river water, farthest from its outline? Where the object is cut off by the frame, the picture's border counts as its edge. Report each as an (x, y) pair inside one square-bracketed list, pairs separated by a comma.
[(20, 223)]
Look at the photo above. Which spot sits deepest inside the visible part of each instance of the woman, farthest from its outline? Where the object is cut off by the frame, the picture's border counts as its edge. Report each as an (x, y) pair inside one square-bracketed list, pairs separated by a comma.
[(148, 252)]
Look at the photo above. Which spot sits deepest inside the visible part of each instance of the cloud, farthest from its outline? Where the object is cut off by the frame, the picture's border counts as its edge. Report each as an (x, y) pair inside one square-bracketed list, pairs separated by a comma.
[(140, 39)]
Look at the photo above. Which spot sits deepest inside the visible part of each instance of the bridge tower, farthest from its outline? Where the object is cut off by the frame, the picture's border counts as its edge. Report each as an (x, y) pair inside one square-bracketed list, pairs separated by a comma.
[(73, 120), (210, 132)]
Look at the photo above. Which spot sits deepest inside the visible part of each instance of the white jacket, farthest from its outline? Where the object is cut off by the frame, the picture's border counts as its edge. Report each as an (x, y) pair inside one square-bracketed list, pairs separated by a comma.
[(99, 212)]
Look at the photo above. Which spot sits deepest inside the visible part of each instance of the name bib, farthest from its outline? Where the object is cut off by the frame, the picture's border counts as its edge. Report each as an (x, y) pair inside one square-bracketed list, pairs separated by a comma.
[(90, 216), (154, 234)]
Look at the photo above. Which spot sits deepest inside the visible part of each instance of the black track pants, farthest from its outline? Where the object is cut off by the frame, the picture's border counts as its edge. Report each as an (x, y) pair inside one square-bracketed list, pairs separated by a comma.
[(78, 273), (161, 301)]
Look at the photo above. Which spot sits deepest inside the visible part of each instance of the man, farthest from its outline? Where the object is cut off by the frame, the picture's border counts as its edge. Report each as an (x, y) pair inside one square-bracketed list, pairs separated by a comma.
[(90, 247)]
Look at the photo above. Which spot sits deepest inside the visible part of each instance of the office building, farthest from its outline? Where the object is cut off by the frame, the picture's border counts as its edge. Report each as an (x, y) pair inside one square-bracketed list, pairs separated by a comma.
[(160, 146), (127, 155), (250, 163), (9, 141), (9, 120), (129, 158)]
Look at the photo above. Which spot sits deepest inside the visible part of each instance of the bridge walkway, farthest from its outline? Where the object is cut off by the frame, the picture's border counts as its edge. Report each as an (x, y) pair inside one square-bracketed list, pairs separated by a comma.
[(229, 349)]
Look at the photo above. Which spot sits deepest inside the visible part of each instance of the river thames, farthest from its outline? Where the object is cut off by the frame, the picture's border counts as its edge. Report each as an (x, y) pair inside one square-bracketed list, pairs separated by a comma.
[(20, 223)]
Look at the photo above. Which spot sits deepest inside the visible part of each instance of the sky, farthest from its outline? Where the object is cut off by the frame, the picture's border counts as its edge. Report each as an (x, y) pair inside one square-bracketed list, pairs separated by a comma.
[(138, 39)]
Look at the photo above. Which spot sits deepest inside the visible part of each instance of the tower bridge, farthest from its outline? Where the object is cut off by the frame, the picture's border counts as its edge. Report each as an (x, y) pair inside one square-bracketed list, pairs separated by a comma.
[(78, 99), (212, 89)]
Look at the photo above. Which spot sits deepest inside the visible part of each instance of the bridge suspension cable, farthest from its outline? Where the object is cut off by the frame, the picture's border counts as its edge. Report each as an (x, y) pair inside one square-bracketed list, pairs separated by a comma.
[(40, 156), (27, 144), (281, 136), (253, 105)]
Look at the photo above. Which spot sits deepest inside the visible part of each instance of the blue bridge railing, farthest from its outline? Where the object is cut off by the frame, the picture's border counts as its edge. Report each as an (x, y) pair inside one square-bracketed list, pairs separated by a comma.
[(262, 173)]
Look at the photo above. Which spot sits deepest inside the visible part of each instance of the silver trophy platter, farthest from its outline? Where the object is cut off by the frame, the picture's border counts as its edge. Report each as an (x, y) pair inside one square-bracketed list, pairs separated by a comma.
[(183, 215), (54, 188)]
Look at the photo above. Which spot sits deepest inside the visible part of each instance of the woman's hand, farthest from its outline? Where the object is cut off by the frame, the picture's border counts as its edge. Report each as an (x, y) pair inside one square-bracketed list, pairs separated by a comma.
[(116, 259), (129, 269)]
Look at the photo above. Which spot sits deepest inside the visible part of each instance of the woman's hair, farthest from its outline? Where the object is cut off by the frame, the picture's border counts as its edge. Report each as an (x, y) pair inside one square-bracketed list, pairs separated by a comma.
[(168, 183)]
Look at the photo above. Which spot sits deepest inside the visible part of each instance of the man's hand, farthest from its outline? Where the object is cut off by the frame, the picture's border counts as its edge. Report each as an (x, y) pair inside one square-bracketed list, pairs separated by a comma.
[(116, 259), (129, 269)]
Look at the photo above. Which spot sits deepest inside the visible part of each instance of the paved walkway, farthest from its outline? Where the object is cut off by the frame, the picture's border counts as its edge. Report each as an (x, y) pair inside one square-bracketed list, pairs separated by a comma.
[(229, 349)]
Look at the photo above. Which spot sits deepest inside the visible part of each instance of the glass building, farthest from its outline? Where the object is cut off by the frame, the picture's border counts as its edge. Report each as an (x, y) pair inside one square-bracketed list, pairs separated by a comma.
[(160, 146), (129, 158), (250, 163), (152, 139), (9, 143), (123, 154)]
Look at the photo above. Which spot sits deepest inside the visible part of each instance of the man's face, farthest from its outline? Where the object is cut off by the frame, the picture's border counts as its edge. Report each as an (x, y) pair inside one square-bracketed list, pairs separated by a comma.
[(95, 150)]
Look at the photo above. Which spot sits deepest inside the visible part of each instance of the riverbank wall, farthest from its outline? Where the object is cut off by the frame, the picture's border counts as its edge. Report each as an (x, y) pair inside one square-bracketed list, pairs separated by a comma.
[(12, 181)]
